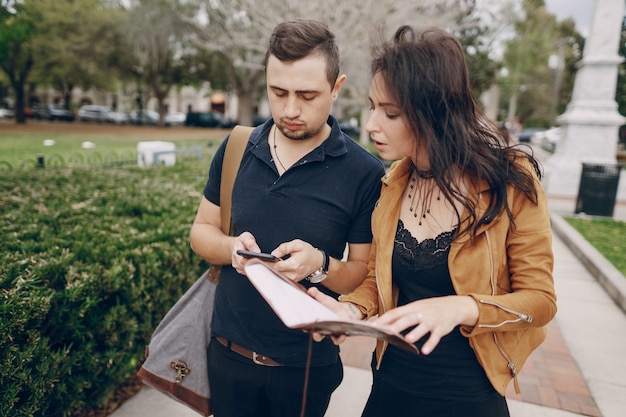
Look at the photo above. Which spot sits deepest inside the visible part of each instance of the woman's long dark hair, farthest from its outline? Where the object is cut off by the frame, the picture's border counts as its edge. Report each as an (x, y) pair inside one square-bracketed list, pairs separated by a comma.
[(427, 76)]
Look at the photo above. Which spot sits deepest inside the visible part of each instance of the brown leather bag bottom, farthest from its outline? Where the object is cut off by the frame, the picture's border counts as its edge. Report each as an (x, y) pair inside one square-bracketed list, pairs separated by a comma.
[(177, 391)]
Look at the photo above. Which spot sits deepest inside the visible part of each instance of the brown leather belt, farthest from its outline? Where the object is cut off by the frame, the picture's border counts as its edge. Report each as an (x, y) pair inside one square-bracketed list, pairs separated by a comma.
[(247, 353)]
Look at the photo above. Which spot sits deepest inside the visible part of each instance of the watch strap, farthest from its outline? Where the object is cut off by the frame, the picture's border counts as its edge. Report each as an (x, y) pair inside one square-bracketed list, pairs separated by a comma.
[(320, 274), (326, 262)]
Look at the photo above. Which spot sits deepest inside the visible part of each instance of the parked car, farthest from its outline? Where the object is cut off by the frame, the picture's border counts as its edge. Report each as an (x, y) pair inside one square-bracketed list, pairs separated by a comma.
[(259, 120), (147, 117), (117, 117), (529, 133), (549, 139), (93, 113), (52, 112), (203, 119), (227, 122), (350, 128), (6, 114), (175, 119)]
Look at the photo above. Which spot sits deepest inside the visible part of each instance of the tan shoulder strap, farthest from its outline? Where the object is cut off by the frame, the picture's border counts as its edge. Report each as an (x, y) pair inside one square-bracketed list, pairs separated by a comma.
[(232, 158)]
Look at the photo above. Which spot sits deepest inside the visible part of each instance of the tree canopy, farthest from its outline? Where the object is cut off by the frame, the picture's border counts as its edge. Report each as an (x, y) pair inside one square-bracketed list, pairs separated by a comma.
[(239, 31), (148, 46), (535, 92)]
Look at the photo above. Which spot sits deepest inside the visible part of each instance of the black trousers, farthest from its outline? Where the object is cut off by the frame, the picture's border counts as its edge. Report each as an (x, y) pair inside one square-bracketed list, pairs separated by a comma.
[(241, 388), (386, 400)]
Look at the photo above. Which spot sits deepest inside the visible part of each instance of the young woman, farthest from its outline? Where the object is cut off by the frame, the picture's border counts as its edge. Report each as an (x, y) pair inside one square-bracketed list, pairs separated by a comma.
[(461, 261)]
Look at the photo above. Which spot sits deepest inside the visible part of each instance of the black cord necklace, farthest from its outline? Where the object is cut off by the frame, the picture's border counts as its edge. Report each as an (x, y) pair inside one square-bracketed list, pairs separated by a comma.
[(425, 192), (276, 150), (427, 175)]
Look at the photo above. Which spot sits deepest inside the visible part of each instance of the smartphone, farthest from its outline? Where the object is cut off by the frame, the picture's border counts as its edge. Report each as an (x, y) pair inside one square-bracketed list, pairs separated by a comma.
[(263, 256)]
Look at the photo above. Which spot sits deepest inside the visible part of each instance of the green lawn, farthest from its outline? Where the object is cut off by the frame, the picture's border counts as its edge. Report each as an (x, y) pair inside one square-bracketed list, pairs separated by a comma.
[(21, 145), (606, 235)]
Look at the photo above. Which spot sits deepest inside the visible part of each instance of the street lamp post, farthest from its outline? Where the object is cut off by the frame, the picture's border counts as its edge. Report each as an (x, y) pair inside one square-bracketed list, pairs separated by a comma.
[(557, 64)]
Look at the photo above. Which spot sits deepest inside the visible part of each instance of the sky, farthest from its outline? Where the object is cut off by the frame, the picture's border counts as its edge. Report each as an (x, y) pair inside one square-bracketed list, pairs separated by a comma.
[(579, 10)]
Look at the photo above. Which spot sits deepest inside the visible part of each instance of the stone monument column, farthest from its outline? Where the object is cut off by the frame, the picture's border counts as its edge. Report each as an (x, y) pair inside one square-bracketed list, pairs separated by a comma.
[(590, 124)]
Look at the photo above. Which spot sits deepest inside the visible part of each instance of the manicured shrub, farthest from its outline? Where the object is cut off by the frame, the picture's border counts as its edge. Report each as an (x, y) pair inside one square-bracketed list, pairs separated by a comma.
[(90, 260)]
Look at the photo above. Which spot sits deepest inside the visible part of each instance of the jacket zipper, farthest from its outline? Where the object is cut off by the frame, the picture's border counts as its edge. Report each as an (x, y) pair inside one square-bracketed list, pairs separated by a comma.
[(385, 343), (510, 364), (520, 316)]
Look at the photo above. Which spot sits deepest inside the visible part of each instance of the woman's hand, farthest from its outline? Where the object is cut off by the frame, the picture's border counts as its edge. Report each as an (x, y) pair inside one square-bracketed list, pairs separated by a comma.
[(437, 316), (346, 311)]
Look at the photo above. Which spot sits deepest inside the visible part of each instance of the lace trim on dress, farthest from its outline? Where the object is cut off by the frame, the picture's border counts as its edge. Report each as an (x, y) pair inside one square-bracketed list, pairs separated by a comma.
[(426, 254)]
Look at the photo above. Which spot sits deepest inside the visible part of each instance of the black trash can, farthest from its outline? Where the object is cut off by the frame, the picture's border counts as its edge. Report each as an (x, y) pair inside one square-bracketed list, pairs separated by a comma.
[(597, 191)]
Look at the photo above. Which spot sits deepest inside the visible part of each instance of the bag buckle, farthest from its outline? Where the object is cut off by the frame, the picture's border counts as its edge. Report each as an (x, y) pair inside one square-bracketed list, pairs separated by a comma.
[(182, 370)]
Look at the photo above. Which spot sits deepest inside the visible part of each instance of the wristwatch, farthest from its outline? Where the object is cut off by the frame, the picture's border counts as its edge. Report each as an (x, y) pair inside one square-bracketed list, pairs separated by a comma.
[(321, 274)]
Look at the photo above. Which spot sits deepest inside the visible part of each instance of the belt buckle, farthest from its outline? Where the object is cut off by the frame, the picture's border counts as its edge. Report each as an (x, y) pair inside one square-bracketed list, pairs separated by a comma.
[(255, 360), (260, 360)]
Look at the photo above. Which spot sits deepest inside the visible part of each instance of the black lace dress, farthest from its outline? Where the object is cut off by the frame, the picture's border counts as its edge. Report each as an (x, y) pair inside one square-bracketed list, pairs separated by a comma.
[(451, 372)]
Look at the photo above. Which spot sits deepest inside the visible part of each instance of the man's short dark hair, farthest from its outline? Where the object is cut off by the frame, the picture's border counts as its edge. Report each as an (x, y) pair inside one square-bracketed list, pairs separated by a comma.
[(296, 39)]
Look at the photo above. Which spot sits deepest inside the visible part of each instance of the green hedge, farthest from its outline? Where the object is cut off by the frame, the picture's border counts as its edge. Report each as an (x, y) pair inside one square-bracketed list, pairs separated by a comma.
[(90, 260)]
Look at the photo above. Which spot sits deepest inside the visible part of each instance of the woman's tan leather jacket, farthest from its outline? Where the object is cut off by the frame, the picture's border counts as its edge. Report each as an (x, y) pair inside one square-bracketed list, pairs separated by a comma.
[(506, 270)]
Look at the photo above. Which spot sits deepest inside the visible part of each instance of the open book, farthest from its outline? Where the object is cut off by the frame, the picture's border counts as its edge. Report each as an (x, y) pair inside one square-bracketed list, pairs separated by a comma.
[(298, 310)]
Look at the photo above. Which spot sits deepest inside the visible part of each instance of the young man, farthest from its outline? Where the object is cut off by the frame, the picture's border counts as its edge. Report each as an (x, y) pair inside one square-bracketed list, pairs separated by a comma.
[(304, 189)]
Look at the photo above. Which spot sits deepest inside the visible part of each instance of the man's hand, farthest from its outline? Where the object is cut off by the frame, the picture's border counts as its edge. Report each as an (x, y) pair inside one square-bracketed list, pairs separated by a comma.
[(244, 241), (301, 259)]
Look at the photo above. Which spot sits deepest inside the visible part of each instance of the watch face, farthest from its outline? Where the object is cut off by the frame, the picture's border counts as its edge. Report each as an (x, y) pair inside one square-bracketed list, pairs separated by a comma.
[(317, 277)]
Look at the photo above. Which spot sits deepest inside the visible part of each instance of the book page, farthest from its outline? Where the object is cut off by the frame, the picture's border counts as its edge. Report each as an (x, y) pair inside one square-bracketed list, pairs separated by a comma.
[(298, 310), (288, 299)]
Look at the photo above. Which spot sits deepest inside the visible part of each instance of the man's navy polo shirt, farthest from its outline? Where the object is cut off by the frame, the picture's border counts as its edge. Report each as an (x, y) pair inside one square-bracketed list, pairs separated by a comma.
[(325, 199)]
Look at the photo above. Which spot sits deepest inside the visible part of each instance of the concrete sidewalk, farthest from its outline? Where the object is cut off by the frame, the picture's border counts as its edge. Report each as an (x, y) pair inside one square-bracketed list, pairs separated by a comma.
[(592, 324)]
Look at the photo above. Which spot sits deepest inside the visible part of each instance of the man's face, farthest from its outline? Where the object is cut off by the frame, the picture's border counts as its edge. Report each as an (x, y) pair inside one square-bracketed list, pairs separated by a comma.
[(300, 96)]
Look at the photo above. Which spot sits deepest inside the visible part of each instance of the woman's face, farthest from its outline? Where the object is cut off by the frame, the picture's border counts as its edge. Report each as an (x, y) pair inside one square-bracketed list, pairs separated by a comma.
[(389, 128)]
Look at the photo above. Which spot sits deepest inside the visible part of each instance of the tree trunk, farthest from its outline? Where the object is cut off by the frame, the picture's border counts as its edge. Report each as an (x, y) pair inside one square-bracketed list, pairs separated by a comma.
[(67, 97), (18, 88), (161, 91), (364, 136), (512, 108), (245, 112)]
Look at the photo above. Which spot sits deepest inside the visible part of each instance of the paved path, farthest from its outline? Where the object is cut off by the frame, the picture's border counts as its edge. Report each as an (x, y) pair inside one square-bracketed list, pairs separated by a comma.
[(579, 371)]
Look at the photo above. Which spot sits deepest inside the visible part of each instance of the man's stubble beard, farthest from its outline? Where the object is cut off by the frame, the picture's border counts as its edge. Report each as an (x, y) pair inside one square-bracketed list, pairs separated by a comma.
[(307, 134)]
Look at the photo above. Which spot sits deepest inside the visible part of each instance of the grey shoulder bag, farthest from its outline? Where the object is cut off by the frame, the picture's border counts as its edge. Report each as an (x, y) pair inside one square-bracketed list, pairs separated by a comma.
[(176, 357)]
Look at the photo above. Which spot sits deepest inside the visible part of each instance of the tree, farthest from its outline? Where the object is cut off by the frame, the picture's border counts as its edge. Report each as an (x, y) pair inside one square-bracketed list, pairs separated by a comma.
[(199, 65), (156, 32), (17, 28), (238, 31), (566, 54), (77, 44), (526, 57), (63, 43), (620, 95), (481, 66), (536, 92)]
